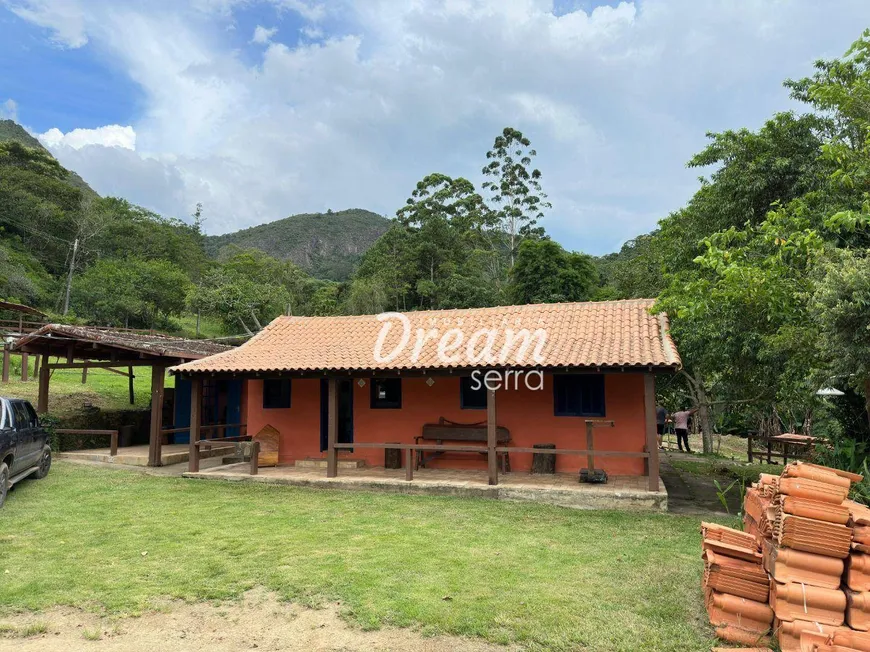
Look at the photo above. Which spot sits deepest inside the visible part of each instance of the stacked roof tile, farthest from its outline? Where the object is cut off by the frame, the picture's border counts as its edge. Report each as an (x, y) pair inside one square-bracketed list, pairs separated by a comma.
[(735, 585), (815, 548)]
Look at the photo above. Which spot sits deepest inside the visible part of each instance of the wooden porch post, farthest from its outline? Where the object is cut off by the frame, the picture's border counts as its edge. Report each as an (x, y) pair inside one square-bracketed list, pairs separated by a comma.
[(44, 376), (332, 430), (130, 385), (155, 441), (491, 455), (25, 367), (6, 355), (649, 408), (84, 375), (195, 419)]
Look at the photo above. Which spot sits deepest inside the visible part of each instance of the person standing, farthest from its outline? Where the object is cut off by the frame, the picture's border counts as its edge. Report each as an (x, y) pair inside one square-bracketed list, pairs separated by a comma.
[(661, 419), (681, 427)]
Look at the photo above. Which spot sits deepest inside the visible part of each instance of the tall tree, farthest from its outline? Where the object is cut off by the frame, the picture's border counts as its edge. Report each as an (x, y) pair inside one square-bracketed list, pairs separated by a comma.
[(514, 187), (545, 273)]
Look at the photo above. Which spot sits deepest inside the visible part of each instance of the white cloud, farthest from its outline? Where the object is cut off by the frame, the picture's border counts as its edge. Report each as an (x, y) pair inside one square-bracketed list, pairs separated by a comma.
[(64, 18), (263, 35), (615, 100), (9, 110), (108, 136)]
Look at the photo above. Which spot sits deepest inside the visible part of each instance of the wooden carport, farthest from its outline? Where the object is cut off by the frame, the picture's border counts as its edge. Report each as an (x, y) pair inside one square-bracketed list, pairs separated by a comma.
[(85, 347)]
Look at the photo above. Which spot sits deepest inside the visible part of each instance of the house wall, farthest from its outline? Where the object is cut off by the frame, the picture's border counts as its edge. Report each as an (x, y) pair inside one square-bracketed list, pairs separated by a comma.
[(526, 413)]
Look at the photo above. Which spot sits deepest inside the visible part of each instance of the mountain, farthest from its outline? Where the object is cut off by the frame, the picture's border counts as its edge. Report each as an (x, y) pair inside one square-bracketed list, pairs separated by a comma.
[(326, 245), (11, 130)]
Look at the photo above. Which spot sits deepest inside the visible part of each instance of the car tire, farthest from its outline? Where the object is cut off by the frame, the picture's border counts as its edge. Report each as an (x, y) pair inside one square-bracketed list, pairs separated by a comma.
[(44, 464), (4, 483)]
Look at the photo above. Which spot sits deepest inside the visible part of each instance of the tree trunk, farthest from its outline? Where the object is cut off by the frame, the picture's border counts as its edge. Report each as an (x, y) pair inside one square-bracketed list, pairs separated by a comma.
[(867, 398), (705, 419), (702, 403)]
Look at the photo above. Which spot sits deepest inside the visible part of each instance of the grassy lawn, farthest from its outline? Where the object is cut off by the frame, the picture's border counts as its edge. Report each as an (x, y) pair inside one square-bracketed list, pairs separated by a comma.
[(103, 389), (711, 465), (545, 577)]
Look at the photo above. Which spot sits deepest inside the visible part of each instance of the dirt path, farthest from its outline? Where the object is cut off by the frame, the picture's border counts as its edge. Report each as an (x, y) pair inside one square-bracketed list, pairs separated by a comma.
[(258, 622), (692, 494)]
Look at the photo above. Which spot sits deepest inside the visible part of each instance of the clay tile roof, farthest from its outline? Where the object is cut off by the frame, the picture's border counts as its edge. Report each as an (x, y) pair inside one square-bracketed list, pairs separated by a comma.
[(612, 334), (58, 335)]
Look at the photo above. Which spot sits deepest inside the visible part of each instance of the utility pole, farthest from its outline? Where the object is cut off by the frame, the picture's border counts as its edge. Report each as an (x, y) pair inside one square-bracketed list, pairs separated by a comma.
[(72, 265)]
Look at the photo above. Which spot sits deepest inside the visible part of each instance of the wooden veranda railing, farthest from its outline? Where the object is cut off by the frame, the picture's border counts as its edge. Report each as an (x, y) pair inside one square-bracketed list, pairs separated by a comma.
[(590, 452), (208, 444), (112, 434)]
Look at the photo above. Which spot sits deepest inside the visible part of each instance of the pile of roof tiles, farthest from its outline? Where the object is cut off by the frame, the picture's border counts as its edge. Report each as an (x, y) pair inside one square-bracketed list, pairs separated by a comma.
[(812, 545)]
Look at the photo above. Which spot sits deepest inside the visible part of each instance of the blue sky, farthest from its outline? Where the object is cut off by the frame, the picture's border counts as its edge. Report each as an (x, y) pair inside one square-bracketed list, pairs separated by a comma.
[(261, 109)]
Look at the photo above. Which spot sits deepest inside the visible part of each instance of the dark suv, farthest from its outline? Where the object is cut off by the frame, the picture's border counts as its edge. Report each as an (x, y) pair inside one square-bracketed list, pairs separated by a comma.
[(24, 444)]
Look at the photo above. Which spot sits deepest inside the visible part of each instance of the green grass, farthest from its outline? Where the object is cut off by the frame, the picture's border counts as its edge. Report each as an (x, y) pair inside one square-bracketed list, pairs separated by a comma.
[(209, 327), (26, 631), (710, 465), (542, 576)]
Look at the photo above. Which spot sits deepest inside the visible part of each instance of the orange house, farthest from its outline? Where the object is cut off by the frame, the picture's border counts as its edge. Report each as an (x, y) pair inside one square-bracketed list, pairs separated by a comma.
[(350, 387)]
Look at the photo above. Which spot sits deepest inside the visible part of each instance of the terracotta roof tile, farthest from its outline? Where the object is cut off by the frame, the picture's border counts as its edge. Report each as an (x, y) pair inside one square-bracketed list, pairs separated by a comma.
[(594, 334), (787, 565), (858, 610), (739, 612), (857, 575), (789, 633), (795, 601)]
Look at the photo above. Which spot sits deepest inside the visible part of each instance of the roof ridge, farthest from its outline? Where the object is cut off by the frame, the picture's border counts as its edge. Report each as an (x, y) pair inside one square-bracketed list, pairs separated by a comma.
[(526, 306)]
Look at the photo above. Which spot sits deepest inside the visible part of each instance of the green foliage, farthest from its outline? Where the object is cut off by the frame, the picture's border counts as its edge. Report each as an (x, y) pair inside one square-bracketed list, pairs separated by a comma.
[(442, 253), (545, 273), (324, 245), (132, 292), (515, 189)]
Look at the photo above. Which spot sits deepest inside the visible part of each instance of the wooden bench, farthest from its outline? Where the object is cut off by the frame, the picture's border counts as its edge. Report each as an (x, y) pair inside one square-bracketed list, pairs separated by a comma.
[(460, 433)]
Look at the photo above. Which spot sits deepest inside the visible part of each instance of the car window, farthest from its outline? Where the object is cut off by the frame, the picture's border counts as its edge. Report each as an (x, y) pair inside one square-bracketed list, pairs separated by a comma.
[(31, 413), (22, 418)]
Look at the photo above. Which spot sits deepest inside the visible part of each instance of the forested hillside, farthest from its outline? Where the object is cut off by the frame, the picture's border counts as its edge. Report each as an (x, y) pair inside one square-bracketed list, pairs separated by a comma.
[(11, 131), (325, 245)]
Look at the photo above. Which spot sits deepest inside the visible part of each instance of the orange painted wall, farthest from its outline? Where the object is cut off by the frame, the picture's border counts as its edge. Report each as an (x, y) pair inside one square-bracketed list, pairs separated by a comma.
[(527, 414)]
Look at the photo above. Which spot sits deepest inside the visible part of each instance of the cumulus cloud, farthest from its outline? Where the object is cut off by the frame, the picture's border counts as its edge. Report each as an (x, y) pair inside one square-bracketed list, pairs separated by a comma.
[(9, 110), (615, 100), (263, 35), (108, 136)]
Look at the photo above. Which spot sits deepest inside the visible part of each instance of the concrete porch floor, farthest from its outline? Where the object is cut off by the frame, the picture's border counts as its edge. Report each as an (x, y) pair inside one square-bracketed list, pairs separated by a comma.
[(563, 489), (138, 455)]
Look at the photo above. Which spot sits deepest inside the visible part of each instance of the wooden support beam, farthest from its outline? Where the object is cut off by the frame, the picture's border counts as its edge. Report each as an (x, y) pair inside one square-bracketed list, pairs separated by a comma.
[(84, 375), (36, 365), (102, 364), (652, 447), (155, 440), (332, 429), (255, 457), (130, 377), (6, 354), (25, 367), (410, 462), (590, 447), (491, 439), (44, 376), (195, 423), (69, 354)]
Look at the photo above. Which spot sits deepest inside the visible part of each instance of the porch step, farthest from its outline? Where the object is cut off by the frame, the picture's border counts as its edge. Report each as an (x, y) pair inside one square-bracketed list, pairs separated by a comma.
[(318, 463)]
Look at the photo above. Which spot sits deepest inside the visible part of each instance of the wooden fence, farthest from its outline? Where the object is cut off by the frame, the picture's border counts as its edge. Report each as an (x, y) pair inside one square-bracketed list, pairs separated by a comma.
[(113, 436)]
